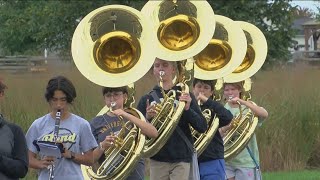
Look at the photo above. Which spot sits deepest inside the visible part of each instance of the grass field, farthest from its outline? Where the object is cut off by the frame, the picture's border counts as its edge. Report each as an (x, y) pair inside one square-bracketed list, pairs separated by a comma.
[(289, 140), (297, 175)]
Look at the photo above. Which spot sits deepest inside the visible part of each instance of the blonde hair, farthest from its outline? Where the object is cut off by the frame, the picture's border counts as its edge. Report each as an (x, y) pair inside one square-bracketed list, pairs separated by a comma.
[(238, 85)]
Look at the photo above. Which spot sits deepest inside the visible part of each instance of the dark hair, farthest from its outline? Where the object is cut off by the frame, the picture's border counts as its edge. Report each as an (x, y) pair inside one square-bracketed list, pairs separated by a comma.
[(63, 84), (2, 87), (211, 83), (123, 89)]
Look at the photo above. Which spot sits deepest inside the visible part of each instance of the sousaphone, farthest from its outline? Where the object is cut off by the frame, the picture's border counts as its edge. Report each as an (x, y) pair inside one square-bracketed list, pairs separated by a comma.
[(244, 125), (112, 47), (222, 55), (183, 27)]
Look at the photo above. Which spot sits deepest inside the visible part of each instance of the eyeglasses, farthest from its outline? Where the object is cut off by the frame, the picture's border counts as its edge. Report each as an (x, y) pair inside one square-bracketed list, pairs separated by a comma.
[(114, 95)]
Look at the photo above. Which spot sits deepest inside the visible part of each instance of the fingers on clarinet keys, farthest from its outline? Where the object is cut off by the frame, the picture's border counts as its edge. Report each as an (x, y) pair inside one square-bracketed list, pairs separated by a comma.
[(47, 162)]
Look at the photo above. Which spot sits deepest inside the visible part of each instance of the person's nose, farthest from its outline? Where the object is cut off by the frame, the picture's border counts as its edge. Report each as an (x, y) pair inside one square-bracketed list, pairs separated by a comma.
[(59, 104)]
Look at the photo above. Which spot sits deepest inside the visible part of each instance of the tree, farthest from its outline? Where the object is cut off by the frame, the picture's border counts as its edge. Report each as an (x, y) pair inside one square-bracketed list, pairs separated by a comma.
[(273, 18), (302, 12), (32, 25)]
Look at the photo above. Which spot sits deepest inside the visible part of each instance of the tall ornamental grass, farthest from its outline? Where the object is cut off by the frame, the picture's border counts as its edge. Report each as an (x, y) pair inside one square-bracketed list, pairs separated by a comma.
[(288, 139)]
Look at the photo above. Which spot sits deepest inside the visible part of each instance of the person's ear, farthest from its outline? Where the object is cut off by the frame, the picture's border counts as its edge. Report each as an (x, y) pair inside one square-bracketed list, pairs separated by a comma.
[(211, 92), (125, 98)]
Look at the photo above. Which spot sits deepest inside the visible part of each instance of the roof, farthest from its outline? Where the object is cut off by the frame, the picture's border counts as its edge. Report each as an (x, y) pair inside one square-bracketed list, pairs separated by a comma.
[(298, 24), (312, 22)]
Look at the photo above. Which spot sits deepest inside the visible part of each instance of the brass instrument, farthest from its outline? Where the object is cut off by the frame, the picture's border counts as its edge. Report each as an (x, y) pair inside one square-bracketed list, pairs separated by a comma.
[(241, 129), (122, 157), (112, 47), (202, 140), (118, 42), (244, 125), (167, 116), (222, 55), (183, 27), (256, 53)]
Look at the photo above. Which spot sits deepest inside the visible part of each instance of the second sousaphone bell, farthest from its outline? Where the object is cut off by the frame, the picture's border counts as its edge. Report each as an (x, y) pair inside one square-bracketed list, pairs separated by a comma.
[(183, 27)]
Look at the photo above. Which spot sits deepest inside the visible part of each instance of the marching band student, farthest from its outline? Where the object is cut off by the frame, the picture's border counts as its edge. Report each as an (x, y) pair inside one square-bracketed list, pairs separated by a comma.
[(244, 165), (13, 148), (211, 161), (74, 134), (172, 162), (105, 127)]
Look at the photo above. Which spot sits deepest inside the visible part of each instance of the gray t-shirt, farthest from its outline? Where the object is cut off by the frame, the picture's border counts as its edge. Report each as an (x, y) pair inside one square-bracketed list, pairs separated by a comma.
[(74, 133), (103, 126)]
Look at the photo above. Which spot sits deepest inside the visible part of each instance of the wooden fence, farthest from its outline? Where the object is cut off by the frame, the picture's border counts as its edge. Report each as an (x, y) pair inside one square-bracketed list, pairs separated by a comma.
[(310, 57), (23, 64)]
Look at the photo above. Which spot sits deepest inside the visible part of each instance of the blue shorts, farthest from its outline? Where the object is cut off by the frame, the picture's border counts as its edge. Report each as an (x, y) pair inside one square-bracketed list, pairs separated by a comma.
[(212, 170)]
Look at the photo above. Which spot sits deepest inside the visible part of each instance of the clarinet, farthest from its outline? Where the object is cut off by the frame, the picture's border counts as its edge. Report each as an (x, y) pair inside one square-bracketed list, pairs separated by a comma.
[(55, 137)]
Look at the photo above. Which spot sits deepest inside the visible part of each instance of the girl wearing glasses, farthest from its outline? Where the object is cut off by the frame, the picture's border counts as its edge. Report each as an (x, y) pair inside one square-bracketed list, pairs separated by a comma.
[(105, 127)]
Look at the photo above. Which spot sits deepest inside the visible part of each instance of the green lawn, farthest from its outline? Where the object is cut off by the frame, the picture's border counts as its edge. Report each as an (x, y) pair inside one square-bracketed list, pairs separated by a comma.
[(296, 175)]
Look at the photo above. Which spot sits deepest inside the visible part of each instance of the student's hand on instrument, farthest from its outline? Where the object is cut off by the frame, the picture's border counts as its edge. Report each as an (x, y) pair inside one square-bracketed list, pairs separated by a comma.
[(186, 97), (66, 154), (202, 98), (150, 110), (107, 142), (119, 112), (235, 100), (46, 161)]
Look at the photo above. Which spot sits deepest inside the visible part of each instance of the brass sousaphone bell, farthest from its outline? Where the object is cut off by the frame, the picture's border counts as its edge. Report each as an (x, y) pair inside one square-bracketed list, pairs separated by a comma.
[(222, 55), (112, 47), (256, 53), (183, 27), (244, 125)]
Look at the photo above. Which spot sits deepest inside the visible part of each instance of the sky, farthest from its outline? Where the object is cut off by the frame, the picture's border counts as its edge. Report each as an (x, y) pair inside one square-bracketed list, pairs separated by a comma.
[(307, 4)]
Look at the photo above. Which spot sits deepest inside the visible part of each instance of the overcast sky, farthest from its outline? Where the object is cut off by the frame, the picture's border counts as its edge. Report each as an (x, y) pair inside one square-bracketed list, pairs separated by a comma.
[(307, 4)]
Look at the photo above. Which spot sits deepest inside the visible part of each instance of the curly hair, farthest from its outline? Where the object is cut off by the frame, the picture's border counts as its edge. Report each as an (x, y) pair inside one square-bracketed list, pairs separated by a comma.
[(63, 84)]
